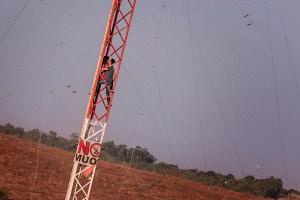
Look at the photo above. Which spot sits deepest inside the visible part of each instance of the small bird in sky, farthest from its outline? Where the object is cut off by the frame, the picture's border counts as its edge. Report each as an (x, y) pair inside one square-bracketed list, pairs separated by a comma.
[(247, 15)]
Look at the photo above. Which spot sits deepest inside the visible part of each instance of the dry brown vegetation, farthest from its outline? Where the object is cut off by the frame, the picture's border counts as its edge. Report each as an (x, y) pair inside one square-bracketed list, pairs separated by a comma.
[(18, 161)]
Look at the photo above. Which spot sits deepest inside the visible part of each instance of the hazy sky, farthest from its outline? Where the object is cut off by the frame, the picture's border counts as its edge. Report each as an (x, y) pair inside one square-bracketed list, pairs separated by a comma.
[(208, 84)]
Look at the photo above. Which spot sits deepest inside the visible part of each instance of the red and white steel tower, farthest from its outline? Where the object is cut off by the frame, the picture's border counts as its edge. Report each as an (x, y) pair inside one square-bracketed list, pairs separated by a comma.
[(98, 109)]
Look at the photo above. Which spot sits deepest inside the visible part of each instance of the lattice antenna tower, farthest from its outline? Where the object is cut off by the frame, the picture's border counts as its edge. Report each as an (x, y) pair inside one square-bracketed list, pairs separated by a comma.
[(98, 108)]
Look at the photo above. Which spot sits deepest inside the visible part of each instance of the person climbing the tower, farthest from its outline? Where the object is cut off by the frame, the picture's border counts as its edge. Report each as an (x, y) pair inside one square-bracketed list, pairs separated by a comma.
[(109, 78), (106, 77), (104, 67)]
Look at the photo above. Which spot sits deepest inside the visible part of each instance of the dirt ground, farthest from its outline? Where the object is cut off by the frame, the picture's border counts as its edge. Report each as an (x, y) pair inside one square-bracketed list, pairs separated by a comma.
[(18, 164)]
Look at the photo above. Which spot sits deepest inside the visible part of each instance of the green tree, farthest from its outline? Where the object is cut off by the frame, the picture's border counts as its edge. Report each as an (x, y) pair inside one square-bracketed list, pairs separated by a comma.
[(19, 131), (34, 134), (74, 136), (9, 128)]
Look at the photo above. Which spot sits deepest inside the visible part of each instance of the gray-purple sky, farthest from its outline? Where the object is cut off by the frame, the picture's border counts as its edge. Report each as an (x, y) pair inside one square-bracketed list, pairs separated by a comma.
[(205, 84)]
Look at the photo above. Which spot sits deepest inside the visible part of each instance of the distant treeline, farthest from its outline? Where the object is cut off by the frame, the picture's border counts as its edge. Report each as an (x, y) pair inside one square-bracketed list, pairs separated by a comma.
[(36, 135), (141, 158)]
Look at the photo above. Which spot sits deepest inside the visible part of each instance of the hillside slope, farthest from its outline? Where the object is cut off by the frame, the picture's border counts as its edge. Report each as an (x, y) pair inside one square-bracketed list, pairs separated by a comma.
[(18, 160)]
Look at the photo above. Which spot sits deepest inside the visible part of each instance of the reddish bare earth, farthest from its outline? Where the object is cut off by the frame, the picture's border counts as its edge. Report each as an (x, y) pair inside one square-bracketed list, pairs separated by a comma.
[(18, 161)]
